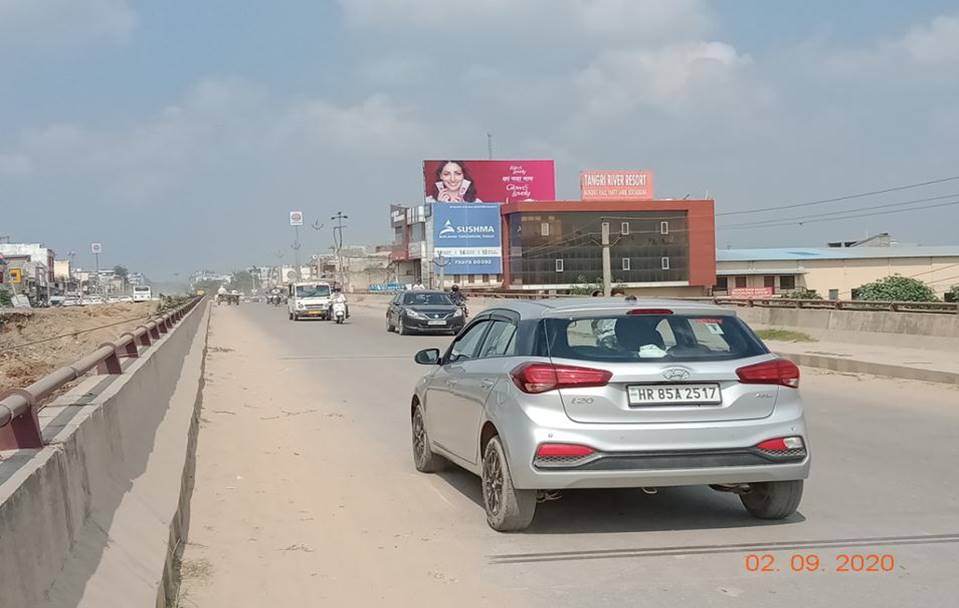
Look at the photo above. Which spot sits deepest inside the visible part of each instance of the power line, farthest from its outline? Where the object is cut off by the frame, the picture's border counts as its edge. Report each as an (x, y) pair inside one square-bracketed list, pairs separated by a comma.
[(846, 197), (70, 335), (841, 212), (836, 219)]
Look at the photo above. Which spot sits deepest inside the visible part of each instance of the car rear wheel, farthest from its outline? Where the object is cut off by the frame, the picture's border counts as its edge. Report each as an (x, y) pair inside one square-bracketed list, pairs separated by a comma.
[(507, 509), (773, 499), (423, 457)]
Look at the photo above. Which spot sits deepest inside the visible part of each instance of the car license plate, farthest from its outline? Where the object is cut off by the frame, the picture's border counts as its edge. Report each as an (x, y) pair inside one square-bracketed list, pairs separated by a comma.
[(439, 322), (674, 394)]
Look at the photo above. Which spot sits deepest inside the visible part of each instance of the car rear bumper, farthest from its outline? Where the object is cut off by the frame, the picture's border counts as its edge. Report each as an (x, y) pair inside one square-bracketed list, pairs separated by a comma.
[(653, 455)]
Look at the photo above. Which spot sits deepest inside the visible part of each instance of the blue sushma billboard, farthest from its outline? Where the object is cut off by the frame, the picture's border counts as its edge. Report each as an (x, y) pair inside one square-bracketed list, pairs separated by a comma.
[(467, 236)]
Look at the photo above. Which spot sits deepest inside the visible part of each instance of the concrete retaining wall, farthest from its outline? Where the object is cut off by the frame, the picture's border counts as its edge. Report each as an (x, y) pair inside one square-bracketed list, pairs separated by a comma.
[(925, 330), (95, 517)]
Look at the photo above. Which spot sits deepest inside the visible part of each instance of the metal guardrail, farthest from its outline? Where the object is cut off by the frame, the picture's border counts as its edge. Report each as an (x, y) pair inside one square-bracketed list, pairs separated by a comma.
[(19, 424), (862, 305)]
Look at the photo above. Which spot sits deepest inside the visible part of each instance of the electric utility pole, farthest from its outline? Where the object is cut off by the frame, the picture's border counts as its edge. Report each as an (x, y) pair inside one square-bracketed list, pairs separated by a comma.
[(607, 268), (338, 243)]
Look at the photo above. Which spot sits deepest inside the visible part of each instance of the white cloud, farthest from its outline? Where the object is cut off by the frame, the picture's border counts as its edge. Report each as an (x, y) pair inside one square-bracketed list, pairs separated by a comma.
[(666, 77), (218, 126), (15, 164), (925, 53), (531, 19), (64, 22), (936, 44)]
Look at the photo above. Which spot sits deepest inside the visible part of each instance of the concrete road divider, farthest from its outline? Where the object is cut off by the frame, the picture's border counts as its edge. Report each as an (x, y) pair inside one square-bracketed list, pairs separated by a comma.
[(96, 516)]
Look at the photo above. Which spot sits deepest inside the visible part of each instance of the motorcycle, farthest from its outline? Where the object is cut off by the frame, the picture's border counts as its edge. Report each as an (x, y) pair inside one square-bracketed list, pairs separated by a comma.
[(274, 299), (339, 312)]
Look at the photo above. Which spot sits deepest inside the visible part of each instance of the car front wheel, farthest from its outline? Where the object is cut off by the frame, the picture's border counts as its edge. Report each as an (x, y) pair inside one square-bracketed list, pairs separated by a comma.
[(773, 499), (507, 509)]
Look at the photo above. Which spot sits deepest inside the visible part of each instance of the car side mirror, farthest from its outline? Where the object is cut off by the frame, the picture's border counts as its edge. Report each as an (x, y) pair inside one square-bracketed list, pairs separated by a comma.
[(428, 356)]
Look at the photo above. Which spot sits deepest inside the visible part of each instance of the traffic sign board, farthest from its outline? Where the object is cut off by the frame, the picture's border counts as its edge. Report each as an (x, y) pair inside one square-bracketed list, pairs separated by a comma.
[(96, 248), (296, 218), (16, 276)]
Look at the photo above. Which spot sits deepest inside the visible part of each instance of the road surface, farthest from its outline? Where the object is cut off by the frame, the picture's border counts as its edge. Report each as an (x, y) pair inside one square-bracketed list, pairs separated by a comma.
[(306, 495)]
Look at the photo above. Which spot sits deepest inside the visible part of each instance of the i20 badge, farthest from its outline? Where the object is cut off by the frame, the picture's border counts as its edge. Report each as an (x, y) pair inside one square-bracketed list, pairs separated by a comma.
[(675, 373)]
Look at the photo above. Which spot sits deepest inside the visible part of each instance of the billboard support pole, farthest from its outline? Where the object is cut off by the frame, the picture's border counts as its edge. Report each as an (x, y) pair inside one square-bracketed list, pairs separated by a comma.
[(607, 268)]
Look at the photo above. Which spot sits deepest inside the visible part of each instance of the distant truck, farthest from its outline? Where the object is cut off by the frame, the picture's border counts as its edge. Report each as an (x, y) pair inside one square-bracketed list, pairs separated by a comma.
[(142, 294)]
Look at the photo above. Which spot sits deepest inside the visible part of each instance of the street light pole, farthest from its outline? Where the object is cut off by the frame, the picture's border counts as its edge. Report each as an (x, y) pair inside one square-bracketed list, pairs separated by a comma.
[(296, 252)]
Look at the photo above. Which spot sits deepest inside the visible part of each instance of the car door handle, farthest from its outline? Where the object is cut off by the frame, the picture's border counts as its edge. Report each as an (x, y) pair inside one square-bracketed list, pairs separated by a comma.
[(487, 382)]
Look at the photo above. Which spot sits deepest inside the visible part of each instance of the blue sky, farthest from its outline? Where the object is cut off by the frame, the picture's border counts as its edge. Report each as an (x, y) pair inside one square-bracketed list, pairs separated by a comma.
[(180, 133)]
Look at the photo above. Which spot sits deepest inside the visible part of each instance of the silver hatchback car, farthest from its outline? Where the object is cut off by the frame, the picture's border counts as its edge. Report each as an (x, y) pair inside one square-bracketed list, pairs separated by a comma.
[(546, 395)]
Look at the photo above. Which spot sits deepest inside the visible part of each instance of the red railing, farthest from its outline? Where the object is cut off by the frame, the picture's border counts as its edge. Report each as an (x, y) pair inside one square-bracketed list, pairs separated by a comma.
[(19, 424)]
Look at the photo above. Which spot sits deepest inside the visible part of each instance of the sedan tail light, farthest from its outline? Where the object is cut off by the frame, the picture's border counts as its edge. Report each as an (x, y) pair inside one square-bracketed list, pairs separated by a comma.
[(777, 371), (537, 378)]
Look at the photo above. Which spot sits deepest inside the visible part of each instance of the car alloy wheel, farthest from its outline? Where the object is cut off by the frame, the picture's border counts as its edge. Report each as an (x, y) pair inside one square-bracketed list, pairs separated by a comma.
[(423, 457), (493, 481)]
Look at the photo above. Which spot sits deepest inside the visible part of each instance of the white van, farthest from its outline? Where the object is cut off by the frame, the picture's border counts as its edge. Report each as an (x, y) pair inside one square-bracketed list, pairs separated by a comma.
[(142, 294), (309, 299)]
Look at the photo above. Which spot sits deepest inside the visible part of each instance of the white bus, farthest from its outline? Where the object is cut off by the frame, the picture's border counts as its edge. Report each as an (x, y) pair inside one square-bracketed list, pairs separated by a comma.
[(142, 294)]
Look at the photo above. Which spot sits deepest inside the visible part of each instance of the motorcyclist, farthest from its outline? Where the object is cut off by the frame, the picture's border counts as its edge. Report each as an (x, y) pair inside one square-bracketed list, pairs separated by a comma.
[(457, 296), (220, 294), (339, 296)]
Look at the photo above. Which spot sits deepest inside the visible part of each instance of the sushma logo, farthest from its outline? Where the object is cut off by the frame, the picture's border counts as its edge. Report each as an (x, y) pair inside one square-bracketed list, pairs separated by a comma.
[(449, 229)]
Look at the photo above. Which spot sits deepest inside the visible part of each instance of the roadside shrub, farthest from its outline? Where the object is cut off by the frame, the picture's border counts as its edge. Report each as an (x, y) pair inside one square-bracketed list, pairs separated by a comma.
[(952, 295), (5, 298), (896, 288), (802, 294)]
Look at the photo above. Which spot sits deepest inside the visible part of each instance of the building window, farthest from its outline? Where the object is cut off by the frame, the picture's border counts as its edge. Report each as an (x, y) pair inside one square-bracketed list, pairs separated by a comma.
[(833, 294), (722, 283), (664, 227), (544, 228), (769, 281), (787, 282), (471, 278), (664, 263), (559, 265), (740, 282), (624, 229), (625, 263), (486, 278)]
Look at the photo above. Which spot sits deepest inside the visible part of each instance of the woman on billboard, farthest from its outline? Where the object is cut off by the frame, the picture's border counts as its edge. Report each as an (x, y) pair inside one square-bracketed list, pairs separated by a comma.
[(454, 184)]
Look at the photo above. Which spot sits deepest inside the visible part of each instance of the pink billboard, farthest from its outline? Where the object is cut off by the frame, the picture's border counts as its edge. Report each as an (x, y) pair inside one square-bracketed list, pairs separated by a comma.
[(489, 181), (616, 185)]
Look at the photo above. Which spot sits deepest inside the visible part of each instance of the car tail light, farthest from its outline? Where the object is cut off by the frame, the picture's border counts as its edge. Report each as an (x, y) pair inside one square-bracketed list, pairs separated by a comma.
[(541, 377), (563, 450), (650, 311), (563, 455), (783, 448), (777, 371)]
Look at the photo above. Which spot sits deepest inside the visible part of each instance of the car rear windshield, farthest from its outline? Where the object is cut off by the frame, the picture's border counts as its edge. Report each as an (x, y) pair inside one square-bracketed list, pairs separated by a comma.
[(651, 338), (312, 291), (426, 299)]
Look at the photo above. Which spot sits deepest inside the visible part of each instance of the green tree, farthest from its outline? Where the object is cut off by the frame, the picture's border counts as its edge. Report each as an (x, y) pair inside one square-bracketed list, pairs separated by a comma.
[(896, 288), (583, 287), (242, 281), (802, 294), (123, 273)]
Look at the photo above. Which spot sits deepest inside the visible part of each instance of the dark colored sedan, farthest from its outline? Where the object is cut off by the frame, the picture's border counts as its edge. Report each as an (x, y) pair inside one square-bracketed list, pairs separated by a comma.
[(424, 312)]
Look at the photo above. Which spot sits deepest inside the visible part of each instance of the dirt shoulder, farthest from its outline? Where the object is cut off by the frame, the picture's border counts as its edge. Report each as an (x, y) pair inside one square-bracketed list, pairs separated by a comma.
[(33, 343)]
